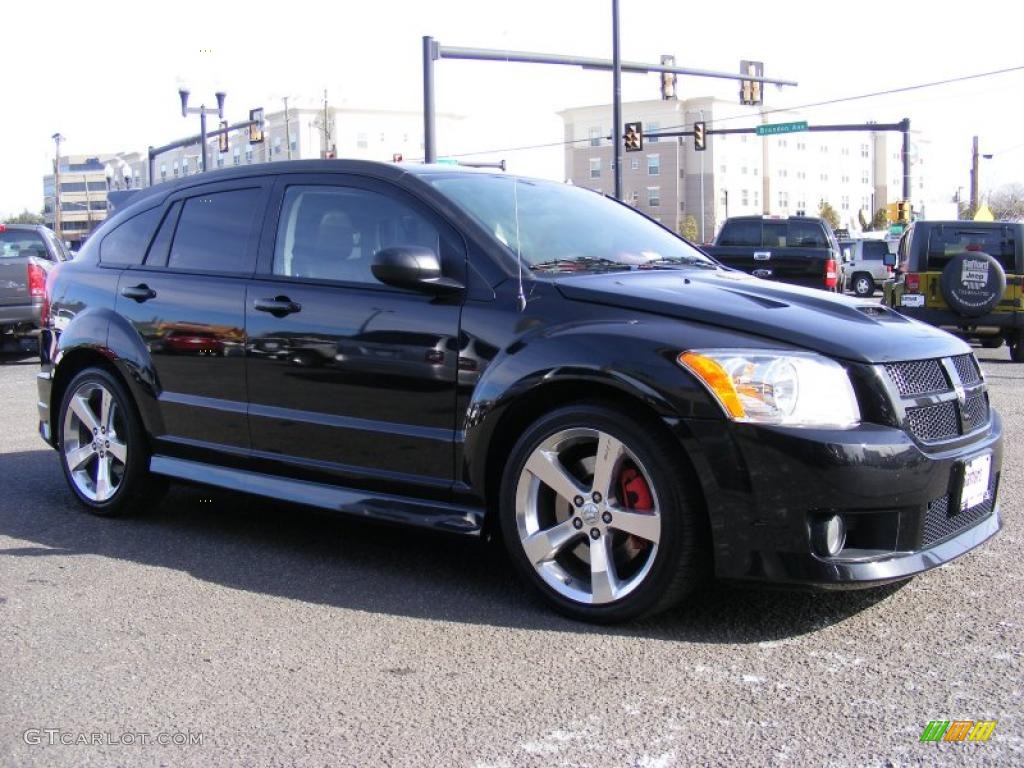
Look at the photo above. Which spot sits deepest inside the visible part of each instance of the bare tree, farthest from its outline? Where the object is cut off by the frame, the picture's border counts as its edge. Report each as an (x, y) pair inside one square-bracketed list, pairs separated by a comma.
[(1007, 202)]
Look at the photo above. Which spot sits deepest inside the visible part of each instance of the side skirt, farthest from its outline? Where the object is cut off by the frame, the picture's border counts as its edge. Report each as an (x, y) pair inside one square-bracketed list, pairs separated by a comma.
[(399, 509)]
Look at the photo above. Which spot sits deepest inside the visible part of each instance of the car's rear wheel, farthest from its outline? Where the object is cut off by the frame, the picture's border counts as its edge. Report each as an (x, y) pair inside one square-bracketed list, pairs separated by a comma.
[(863, 285), (601, 514), (103, 447)]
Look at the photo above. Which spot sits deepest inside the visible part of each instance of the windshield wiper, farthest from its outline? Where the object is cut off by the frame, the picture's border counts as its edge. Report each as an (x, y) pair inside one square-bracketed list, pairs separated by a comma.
[(679, 261), (579, 262)]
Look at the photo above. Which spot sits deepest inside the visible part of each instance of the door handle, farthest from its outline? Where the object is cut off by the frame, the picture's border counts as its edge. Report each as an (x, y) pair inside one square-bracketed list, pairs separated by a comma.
[(279, 306), (139, 293)]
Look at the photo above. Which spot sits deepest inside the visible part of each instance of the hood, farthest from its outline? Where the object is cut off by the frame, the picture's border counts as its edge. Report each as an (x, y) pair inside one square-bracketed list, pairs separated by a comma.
[(853, 329)]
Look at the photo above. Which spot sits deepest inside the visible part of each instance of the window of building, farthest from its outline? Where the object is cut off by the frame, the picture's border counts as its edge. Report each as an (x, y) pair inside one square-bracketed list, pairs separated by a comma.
[(248, 155), (743, 170), (783, 200), (277, 145), (653, 165), (846, 150), (333, 233), (382, 138), (801, 146), (213, 232), (634, 164), (782, 142), (783, 173), (635, 198), (864, 179), (220, 161), (175, 167), (721, 168), (595, 167), (236, 158), (757, 199), (845, 179), (595, 137), (823, 177), (652, 128), (654, 196), (293, 144), (864, 150), (801, 175), (361, 141), (184, 167), (845, 202), (756, 172), (163, 173), (744, 197)]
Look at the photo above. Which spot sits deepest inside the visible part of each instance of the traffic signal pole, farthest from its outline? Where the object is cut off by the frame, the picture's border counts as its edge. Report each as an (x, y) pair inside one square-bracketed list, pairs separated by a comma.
[(616, 100), (432, 51)]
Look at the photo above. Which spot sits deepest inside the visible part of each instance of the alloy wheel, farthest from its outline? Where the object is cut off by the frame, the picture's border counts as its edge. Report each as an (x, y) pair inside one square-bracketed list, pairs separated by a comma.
[(588, 516), (92, 445)]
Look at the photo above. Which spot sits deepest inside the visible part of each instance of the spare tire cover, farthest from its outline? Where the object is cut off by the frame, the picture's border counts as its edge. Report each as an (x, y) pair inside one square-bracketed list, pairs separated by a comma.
[(973, 283)]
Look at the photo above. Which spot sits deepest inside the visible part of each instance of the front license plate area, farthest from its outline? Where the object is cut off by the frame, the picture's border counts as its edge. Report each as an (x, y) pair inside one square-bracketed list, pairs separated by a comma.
[(974, 481)]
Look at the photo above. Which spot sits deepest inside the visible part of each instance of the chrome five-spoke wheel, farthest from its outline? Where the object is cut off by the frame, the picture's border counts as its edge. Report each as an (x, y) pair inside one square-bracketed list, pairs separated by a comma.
[(587, 515), (92, 442)]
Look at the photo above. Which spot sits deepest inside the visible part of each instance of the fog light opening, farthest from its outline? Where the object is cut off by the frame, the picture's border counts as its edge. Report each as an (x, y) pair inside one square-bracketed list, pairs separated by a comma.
[(828, 535)]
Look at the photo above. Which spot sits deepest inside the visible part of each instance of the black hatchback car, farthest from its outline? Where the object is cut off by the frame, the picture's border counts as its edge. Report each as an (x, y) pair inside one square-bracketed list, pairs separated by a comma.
[(480, 353)]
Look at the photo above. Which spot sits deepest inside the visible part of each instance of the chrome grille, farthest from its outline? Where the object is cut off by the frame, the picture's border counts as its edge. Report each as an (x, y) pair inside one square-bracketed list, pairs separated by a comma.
[(931, 423), (939, 524), (967, 368), (975, 412), (918, 377)]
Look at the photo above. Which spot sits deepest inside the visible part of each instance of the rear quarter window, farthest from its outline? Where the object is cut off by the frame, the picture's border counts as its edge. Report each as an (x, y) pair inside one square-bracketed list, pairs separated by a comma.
[(126, 245), (875, 250)]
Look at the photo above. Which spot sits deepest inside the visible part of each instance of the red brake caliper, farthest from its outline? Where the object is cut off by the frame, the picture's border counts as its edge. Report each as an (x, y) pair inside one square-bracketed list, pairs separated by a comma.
[(634, 493)]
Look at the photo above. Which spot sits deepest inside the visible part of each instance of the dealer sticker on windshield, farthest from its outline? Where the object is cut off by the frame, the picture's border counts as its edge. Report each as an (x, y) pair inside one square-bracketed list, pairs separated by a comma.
[(975, 488), (912, 300)]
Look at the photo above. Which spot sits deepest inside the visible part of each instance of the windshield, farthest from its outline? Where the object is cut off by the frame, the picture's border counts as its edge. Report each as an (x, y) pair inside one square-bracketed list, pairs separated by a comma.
[(562, 228)]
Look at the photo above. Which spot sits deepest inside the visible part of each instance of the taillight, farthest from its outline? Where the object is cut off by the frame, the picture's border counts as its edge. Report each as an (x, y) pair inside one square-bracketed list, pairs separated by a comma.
[(36, 281), (831, 275), (912, 282)]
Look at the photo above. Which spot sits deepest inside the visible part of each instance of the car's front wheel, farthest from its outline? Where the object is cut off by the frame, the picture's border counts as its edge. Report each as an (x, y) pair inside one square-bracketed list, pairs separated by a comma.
[(601, 514), (103, 447)]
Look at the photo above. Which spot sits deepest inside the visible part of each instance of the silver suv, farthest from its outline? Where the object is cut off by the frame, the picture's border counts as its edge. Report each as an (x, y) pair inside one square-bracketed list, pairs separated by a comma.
[(864, 268)]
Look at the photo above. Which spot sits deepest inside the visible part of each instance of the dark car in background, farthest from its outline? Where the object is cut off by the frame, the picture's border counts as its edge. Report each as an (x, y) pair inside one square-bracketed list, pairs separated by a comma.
[(27, 253), (966, 277), (800, 250), (517, 358)]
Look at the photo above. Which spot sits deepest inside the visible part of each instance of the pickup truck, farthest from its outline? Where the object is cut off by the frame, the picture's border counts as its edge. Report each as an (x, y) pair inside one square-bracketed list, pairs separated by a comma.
[(27, 253), (798, 250)]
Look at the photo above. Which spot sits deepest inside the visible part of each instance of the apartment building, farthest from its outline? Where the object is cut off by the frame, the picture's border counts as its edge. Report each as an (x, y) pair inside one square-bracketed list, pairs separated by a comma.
[(737, 174)]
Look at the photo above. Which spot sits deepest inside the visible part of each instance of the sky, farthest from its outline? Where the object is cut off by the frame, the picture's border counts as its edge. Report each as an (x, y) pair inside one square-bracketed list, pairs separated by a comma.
[(106, 74)]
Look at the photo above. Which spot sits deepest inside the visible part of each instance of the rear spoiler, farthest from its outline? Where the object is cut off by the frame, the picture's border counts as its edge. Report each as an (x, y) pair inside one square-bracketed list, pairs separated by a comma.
[(118, 199)]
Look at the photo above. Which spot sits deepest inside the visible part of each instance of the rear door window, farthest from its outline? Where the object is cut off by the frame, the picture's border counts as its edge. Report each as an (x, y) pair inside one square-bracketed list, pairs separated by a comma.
[(214, 231), (875, 250), (742, 232), (947, 242), (806, 234)]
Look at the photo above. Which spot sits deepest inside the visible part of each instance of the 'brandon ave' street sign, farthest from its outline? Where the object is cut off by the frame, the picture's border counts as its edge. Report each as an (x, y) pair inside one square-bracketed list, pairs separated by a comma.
[(772, 128)]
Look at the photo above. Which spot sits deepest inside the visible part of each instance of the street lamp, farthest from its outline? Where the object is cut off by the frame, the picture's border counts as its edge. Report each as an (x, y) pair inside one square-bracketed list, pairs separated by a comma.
[(202, 111), (57, 139)]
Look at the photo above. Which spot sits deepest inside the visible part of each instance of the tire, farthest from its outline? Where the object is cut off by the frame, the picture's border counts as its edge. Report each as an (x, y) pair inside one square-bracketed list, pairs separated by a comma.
[(863, 285), (972, 283), (1017, 348), (991, 342), (119, 444), (553, 540)]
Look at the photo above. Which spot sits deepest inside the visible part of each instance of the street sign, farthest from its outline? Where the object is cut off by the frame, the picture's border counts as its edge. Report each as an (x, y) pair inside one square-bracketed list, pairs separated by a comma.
[(773, 128)]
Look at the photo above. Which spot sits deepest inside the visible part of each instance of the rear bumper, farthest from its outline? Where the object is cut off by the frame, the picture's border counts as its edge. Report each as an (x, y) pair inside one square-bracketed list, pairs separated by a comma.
[(943, 318), (766, 486), (22, 315)]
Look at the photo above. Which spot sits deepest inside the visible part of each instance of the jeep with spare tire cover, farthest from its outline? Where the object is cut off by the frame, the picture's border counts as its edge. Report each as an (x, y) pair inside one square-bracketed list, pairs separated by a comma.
[(965, 277)]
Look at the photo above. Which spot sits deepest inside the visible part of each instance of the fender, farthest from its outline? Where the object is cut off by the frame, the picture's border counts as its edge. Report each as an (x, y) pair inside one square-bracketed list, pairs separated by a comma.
[(104, 331), (580, 352)]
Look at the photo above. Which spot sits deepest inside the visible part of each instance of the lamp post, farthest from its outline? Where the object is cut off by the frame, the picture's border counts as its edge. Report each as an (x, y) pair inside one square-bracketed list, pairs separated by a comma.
[(703, 210), (202, 111), (57, 139)]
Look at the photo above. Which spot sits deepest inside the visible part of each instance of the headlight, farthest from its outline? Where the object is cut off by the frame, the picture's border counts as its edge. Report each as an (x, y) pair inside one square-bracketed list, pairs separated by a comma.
[(797, 389)]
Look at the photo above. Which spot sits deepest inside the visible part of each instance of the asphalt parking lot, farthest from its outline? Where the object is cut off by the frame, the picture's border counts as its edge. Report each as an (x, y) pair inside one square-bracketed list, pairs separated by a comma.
[(277, 636)]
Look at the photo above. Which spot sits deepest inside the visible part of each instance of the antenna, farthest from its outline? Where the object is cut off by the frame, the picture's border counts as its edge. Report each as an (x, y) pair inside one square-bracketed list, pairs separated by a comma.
[(519, 244)]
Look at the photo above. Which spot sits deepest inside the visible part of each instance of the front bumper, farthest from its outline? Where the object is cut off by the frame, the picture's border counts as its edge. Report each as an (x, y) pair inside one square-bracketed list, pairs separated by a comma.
[(765, 486)]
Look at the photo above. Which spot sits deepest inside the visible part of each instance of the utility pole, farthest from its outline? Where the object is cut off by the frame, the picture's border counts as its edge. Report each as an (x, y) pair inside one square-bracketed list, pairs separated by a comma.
[(88, 206), (974, 176), (703, 208), (57, 223), (616, 101), (287, 129)]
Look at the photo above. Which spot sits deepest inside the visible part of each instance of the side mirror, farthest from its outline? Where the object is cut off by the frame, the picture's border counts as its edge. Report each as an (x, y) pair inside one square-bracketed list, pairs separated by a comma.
[(889, 260), (412, 267)]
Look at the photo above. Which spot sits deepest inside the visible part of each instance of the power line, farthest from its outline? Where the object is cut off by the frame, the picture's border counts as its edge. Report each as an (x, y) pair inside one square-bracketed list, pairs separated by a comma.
[(873, 94)]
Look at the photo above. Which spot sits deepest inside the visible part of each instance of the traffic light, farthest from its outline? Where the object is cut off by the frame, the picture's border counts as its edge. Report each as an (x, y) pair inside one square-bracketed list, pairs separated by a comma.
[(700, 140), (634, 135), (892, 212), (668, 79), (222, 138), (256, 128), (396, 157), (750, 90), (903, 211)]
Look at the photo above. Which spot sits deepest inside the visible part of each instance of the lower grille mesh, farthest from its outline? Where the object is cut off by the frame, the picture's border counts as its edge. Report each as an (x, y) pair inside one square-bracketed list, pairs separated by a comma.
[(939, 524)]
